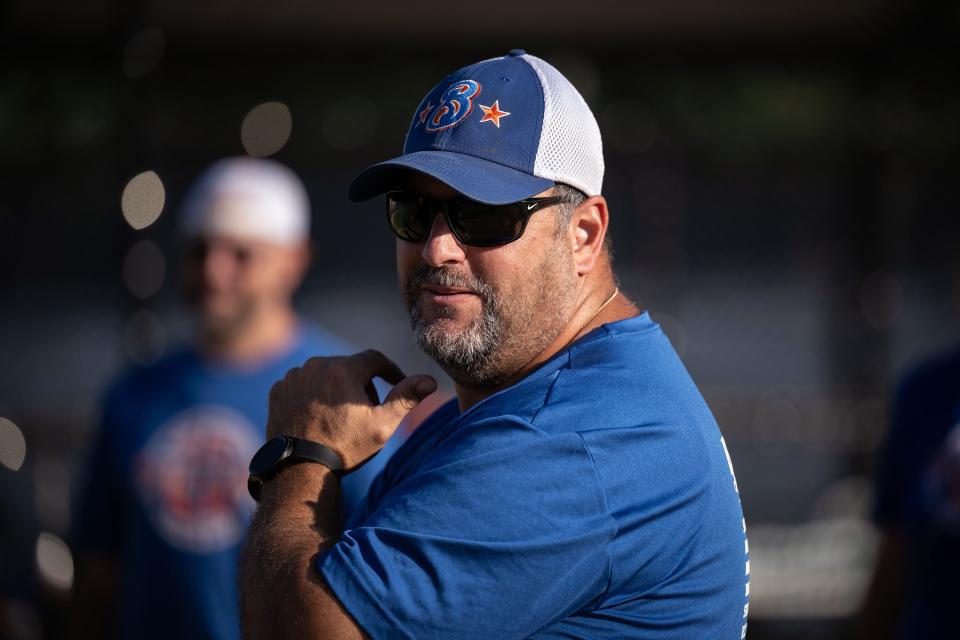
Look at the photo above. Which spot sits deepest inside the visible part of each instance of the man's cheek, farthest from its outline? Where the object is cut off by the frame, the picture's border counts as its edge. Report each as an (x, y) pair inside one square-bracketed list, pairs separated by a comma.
[(408, 256)]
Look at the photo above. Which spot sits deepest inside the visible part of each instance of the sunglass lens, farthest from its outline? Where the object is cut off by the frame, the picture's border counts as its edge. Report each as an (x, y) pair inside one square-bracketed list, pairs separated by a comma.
[(485, 225), (409, 216)]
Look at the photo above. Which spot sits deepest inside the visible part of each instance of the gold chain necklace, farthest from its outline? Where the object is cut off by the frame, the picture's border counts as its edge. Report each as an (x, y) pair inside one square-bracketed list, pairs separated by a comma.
[(613, 295)]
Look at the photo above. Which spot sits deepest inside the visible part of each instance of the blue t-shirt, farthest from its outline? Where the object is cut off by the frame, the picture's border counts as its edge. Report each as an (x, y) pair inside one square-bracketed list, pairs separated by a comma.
[(166, 486), (592, 499), (918, 493)]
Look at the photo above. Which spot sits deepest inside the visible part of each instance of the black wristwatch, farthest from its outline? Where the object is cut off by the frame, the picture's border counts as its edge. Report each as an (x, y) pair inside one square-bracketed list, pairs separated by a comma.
[(281, 451)]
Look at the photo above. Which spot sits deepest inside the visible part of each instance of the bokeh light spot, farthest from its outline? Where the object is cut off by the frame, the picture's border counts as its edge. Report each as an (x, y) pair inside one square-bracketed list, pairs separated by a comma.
[(144, 269), (54, 561), (13, 446), (266, 128), (143, 199)]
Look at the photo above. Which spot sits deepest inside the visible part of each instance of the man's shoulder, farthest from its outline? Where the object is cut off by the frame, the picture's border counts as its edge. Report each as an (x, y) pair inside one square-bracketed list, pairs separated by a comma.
[(633, 347), (622, 376), (609, 341), (627, 375), (598, 382)]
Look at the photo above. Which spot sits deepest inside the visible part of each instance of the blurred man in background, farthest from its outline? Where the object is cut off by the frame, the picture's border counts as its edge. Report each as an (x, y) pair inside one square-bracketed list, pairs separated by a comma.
[(165, 506), (914, 593)]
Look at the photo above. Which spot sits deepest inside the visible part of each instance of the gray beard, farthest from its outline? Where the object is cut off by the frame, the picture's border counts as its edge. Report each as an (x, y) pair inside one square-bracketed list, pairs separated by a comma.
[(469, 356)]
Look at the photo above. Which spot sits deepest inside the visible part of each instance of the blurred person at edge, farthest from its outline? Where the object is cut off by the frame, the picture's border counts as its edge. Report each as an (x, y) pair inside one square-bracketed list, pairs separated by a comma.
[(164, 506), (915, 590), (577, 487)]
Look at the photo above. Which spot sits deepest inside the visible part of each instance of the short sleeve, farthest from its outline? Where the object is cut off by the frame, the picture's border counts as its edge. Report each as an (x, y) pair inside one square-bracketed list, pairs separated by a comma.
[(492, 537), (97, 503)]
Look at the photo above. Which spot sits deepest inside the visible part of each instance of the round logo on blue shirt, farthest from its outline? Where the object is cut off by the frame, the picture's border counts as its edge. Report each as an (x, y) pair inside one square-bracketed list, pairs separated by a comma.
[(191, 477)]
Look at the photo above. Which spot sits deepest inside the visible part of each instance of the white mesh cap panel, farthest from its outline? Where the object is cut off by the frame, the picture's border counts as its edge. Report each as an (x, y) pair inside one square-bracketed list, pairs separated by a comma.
[(570, 149)]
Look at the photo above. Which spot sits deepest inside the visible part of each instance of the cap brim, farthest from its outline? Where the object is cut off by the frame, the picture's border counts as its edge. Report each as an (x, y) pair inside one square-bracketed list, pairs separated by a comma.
[(478, 179)]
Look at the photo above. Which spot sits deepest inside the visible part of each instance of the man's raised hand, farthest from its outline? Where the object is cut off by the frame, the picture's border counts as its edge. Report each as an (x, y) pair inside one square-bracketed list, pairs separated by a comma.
[(332, 401)]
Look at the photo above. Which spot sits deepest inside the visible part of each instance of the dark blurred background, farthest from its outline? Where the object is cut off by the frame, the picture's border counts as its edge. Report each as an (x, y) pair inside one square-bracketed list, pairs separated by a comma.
[(782, 177)]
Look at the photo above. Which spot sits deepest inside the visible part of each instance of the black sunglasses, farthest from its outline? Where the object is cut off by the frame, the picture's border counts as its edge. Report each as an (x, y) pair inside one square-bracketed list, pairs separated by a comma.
[(473, 223)]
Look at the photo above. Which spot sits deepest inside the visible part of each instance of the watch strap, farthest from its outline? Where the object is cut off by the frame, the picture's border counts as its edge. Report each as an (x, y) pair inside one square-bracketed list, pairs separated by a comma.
[(309, 451), (298, 450)]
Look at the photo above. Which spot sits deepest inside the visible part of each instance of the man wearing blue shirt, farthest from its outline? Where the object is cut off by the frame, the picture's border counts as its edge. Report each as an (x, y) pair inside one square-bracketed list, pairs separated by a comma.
[(578, 485), (913, 593), (164, 506)]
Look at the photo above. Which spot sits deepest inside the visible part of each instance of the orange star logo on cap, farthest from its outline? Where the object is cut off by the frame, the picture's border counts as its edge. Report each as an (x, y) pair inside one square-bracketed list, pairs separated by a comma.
[(493, 113), (426, 111)]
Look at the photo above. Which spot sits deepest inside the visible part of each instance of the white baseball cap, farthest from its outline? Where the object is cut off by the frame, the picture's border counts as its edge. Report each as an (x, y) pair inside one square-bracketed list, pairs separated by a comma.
[(250, 198)]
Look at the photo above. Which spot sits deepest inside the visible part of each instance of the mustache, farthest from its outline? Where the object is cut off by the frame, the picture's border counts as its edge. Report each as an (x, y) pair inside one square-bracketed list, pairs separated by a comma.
[(444, 277)]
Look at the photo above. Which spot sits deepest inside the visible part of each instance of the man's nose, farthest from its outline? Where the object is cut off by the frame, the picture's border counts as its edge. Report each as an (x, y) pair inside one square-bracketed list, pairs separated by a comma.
[(441, 246), (218, 266)]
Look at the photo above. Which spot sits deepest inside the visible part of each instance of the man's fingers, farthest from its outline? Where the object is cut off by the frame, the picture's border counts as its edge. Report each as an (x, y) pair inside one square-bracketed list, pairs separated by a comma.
[(371, 391), (372, 363), (408, 393)]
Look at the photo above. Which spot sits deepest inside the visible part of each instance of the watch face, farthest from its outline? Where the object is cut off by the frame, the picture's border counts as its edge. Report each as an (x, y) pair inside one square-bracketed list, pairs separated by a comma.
[(268, 456)]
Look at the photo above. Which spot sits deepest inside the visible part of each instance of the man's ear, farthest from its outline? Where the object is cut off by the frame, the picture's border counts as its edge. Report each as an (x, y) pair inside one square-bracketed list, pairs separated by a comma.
[(588, 226)]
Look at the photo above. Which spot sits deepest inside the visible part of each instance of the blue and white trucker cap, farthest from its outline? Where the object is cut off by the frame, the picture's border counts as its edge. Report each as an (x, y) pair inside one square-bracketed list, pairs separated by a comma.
[(497, 131)]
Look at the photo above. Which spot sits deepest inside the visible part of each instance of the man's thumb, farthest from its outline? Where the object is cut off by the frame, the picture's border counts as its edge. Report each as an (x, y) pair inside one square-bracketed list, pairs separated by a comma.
[(408, 393)]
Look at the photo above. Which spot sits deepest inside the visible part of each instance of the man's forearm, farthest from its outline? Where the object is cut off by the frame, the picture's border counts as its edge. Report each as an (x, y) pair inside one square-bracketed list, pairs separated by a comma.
[(329, 401), (282, 595)]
